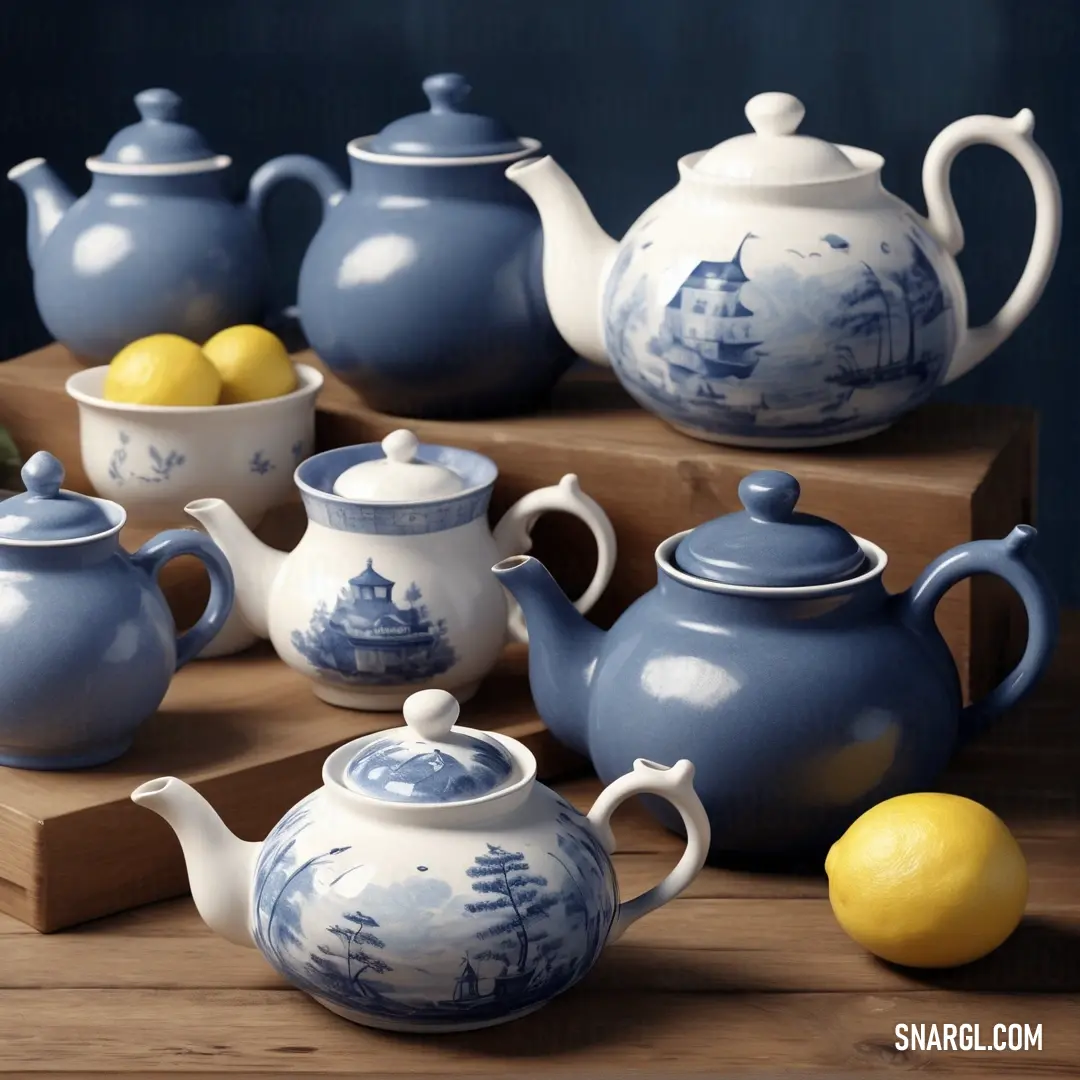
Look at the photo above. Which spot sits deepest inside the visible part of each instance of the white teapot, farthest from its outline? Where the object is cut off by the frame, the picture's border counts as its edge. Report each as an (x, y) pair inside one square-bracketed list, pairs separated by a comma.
[(431, 884), (778, 296), (390, 589)]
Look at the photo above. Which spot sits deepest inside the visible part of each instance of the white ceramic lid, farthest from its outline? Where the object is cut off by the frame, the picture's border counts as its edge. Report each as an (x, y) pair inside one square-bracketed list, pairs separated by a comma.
[(774, 153), (428, 761), (398, 477)]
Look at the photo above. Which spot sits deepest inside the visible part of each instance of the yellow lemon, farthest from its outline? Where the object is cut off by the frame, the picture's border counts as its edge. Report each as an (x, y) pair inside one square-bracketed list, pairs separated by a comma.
[(928, 880), (163, 369), (253, 364)]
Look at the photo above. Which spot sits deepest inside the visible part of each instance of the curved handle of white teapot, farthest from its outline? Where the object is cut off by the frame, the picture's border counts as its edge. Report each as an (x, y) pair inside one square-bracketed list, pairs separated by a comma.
[(513, 536), (1014, 136), (676, 784)]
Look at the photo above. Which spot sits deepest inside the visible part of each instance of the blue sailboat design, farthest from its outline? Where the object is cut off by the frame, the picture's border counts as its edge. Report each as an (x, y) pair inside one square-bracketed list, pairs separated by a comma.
[(708, 324)]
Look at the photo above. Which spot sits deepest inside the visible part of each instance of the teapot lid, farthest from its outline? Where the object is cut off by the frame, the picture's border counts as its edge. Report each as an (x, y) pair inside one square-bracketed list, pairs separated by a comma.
[(398, 476), (158, 144), (446, 130), (428, 761), (43, 512), (769, 544), (774, 154)]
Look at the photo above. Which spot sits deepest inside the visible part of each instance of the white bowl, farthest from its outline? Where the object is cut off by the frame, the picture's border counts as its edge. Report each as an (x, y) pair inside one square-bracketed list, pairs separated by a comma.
[(154, 459)]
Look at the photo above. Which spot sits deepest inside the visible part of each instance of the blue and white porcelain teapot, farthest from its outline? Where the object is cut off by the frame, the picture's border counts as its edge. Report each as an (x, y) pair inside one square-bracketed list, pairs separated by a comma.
[(431, 884), (390, 589), (778, 295)]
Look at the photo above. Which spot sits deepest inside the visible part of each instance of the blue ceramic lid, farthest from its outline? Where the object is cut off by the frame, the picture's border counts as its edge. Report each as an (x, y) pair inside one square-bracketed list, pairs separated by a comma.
[(427, 761), (158, 139), (446, 130), (44, 512), (769, 544)]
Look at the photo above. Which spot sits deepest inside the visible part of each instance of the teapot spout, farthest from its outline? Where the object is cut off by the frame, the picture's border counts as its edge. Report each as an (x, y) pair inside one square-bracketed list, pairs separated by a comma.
[(255, 565), (578, 254), (47, 200), (220, 866), (563, 649)]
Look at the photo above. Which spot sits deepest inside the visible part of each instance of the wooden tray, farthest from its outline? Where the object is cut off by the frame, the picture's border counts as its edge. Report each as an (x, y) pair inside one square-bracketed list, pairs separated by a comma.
[(248, 733)]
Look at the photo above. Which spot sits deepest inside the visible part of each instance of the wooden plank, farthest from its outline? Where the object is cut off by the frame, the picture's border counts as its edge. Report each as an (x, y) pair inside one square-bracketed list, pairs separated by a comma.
[(694, 945), (249, 733), (591, 1031), (943, 475)]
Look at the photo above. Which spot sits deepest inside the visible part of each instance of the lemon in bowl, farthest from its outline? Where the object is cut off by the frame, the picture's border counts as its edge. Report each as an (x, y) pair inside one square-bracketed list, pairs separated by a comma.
[(928, 880), (253, 364), (155, 433), (163, 369)]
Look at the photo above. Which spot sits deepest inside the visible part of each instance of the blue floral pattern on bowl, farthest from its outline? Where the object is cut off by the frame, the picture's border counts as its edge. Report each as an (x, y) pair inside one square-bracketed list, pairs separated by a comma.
[(158, 469)]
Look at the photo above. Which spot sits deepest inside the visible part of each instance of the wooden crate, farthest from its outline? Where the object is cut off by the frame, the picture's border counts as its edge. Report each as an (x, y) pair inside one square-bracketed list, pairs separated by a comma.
[(943, 475), (250, 735)]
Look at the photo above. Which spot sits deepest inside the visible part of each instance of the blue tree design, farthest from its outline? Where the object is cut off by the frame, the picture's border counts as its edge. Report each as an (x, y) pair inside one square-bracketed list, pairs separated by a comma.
[(586, 865), (517, 900), (355, 951), (924, 299)]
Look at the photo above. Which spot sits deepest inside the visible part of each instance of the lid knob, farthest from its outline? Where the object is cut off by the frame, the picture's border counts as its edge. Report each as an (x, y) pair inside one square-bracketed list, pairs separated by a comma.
[(431, 714), (769, 495), (158, 104), (42, 475), (401, 446), (774, 113), (446, 92)]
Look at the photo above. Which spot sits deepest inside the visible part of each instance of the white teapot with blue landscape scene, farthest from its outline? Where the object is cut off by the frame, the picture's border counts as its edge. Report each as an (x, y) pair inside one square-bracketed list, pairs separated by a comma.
[(431, 884), (390, 589), (778, 296)]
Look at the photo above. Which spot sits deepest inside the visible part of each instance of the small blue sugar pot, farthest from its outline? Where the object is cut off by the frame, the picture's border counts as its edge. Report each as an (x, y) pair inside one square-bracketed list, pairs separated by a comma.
[(155, 246), (771, 655), (422, 289), (88, 645)]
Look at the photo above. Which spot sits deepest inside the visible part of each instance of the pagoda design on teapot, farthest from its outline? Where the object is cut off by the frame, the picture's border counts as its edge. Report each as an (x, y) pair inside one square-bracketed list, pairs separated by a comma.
[(368, 638), (819, 341)]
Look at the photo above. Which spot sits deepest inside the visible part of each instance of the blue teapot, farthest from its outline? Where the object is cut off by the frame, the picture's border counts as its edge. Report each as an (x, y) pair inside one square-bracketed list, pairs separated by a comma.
[(88, 644), (422, 290), (155, 246), (771, 655)]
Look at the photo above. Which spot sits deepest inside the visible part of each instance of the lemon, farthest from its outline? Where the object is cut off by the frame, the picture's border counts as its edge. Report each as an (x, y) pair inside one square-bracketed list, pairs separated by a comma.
[(253, 364), (928, 880), (163, 369)]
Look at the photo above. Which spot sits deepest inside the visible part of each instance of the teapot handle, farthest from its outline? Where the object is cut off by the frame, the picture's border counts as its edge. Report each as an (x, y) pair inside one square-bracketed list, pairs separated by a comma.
[(1008, 559), (173, 543), (293, 167), (1014, 136), (676, 784), (513, 537)]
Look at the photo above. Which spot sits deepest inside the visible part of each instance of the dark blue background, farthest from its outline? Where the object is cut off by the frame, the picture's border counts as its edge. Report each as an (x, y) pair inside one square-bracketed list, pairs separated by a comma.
[(617, 90)]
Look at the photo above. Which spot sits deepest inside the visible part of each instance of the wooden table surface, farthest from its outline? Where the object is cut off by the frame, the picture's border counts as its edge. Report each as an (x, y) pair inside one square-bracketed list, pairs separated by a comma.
[(742, 975)]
